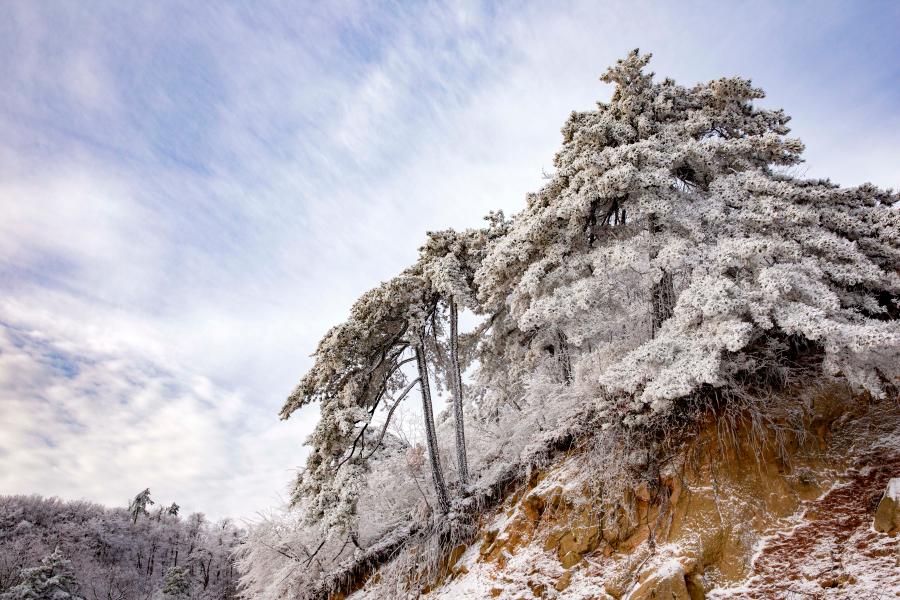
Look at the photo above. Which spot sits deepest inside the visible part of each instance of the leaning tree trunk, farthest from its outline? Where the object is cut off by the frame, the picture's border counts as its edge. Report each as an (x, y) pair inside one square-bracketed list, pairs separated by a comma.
[(437, 474), (456, 375), (662, 294)]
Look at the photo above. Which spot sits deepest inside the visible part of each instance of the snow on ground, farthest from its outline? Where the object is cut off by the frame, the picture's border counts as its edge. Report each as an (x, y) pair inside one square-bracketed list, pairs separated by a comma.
[(893, 489)]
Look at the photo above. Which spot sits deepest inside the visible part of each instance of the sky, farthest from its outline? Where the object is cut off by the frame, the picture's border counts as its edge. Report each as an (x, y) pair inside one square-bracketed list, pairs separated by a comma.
[(191, 194)]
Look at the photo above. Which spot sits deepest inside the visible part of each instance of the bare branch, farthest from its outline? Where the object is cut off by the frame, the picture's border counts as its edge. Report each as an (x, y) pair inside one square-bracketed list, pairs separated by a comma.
[(390, 414)]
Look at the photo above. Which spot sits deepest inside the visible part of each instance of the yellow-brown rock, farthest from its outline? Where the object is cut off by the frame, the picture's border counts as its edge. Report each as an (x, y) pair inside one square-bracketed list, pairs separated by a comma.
[(533, 506), (642, 492), (487, 541), (887, 515), (695, 587), (564, 581), (537, 588), (667, 583), (567, 552), (552, 541), (456, 553), (556, 499)]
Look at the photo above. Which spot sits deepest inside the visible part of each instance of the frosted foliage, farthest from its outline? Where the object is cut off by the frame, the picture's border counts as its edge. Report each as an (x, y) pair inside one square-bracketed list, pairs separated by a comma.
[(177, 583), (354, 368), (51, 580), (684, 181), (450, 259), (274, 560), (85, 549), (357, 367)]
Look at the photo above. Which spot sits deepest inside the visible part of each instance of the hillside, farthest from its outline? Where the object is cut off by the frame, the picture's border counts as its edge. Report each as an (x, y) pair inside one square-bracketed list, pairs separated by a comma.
[(731, 513), (104, 553)]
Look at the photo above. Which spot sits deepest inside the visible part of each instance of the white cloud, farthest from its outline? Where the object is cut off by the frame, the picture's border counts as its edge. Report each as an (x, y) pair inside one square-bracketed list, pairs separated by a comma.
[(80, 229), (79, 422)]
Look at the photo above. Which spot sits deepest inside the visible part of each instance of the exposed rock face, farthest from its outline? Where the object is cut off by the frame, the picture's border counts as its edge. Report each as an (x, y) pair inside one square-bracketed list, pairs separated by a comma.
[(666, 583), (887, 516), (731, 515)]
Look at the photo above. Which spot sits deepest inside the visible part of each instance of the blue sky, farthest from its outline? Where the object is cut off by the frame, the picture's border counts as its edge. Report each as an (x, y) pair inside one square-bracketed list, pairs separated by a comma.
[(192, 195)]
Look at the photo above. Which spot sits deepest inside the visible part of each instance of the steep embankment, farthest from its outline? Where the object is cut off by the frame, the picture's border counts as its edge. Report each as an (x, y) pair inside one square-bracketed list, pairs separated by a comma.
[(731, 511)]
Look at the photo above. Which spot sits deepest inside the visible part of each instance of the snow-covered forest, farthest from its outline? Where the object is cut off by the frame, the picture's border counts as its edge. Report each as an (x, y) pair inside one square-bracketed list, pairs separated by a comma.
[(55, 549), (673, 262)]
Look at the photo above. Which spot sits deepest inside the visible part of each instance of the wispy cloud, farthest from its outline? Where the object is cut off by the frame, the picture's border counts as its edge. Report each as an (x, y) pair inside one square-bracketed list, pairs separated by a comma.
[(82, 421), (192, 196)]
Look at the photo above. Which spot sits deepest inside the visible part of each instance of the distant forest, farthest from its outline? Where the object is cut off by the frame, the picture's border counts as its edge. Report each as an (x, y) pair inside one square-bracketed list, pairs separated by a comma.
[(52, 548)]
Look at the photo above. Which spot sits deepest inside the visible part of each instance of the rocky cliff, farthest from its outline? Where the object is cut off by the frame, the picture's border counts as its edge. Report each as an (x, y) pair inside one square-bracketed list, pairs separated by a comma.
[(727, 508)]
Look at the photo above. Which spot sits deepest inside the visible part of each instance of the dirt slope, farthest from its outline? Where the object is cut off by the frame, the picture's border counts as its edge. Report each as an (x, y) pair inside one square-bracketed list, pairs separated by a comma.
[(732, 514)]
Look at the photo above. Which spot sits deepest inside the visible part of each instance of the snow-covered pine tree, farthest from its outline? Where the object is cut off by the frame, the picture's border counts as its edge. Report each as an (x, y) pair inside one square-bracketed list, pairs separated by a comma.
[(138, 506), (672, 250), (358, 367), (177, 583), (420, 349), (449, 260), (51, 580)]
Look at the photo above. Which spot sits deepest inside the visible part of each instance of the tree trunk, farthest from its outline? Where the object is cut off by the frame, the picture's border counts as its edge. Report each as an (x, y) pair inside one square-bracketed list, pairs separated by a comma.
[(662, 294), (206, 572), (151, 562), (456, 375), (565, 359), (437, 474)]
